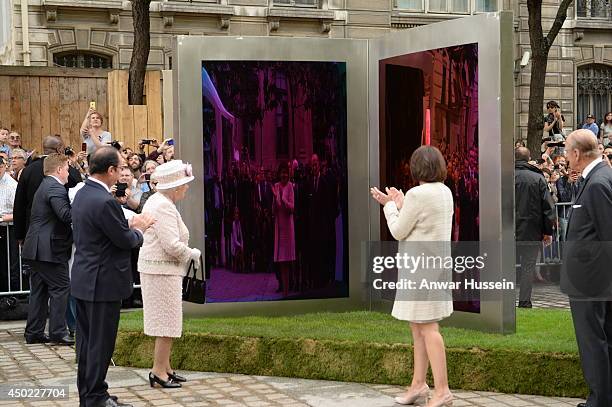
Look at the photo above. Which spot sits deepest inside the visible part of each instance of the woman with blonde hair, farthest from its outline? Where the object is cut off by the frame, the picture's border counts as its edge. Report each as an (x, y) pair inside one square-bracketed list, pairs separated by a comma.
[(424, 214), (163, 260)]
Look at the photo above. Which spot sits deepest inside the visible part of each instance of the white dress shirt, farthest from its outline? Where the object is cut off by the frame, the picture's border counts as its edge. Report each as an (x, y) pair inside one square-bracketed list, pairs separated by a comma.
[(8, 186), (590, 167), (101, 183)]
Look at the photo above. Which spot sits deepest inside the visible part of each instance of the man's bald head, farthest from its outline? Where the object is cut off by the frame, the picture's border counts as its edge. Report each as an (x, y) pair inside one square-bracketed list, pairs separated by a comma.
[(522, 154), (52, 144), (581, 149), (583, 141)]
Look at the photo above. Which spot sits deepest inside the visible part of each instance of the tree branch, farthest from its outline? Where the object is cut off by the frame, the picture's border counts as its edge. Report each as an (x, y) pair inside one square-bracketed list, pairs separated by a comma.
[(558, 23)]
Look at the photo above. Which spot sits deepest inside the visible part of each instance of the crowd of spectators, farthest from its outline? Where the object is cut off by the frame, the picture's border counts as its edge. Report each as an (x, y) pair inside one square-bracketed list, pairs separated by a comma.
[(133, 189)]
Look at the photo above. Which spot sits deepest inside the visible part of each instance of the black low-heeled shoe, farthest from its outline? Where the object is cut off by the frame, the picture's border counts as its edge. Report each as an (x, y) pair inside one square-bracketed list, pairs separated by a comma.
[(176, 378), (166, 384)]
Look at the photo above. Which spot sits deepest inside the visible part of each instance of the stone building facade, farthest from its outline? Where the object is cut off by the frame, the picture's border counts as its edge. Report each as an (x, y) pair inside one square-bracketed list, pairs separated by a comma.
[(98, 33)]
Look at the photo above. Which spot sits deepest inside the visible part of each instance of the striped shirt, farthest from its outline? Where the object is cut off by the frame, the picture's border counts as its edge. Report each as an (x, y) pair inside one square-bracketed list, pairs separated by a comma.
[(8, 186)]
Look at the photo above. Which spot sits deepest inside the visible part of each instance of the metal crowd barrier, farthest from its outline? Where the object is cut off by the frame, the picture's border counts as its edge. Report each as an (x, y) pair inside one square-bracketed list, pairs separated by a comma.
[(552, 254), (12, 273), (14, 288)]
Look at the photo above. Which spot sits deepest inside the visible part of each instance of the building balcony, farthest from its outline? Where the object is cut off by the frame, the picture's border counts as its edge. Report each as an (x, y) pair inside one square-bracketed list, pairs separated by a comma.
[(593, 14)]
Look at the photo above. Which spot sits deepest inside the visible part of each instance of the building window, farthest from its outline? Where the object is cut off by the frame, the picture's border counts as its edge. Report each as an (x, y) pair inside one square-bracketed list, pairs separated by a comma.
[(447, 6), (594, 83), (5, 28), (416, 5), (77, 59), (600, 9), (486, 6), (297, 3)]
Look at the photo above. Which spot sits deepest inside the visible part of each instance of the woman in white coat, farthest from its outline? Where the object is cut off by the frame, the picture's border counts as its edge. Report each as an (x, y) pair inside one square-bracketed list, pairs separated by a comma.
[(425, 214), (163, 260)]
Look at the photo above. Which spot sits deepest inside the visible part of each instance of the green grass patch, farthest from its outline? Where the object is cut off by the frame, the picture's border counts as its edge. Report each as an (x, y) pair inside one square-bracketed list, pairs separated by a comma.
[(537, 330), (541, 358)]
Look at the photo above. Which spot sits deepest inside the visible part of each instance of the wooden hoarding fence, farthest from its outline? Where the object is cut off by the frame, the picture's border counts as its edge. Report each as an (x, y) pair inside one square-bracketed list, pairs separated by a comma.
[(38, 101), (131, 123)]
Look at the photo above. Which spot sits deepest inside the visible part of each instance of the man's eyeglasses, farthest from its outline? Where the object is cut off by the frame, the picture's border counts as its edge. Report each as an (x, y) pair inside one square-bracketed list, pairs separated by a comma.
[(14, 138)]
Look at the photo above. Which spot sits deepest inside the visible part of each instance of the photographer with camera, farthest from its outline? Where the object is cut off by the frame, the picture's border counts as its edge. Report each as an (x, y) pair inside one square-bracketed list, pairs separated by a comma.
[(123, 190), (91, 131), (554, 121)]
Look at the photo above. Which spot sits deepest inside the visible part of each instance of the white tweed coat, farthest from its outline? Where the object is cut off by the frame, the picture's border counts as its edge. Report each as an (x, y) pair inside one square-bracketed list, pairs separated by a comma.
[(426, 216)]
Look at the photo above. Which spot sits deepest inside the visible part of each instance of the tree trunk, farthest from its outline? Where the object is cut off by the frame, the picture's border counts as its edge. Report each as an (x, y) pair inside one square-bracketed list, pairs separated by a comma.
[(140, 53), (535, 125), (540, 46)]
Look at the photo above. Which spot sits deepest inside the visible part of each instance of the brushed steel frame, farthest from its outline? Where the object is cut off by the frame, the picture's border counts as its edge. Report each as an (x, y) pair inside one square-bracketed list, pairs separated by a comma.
[(492, 32)]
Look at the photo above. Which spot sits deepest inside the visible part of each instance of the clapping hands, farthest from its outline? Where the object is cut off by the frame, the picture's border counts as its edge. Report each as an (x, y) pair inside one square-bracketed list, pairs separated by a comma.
[(392, 194), (397, 196)]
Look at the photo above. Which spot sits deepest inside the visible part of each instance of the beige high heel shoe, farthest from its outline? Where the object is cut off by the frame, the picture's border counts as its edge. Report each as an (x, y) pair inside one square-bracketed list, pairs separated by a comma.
[(414, 397), (446, 401)]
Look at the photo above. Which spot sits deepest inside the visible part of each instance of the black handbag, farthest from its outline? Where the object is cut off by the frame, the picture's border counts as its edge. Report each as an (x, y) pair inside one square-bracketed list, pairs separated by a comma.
[(194, 289)]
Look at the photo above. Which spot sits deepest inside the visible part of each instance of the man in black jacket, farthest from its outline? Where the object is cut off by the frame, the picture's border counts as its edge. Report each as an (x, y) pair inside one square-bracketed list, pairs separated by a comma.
[(101, 272), (534, 219), (30, 180), (47, 247), (586, 274)]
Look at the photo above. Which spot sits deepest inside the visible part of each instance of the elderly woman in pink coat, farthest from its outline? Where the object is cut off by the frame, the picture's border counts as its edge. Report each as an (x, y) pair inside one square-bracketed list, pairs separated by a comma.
[(164, 259)]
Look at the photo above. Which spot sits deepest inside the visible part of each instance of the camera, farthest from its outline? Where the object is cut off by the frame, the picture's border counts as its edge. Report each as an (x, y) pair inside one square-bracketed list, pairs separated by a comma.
[(68, 151), (556, 144), (147, 177), (116, 144), (146, 141), (121, 187), (556, 166)]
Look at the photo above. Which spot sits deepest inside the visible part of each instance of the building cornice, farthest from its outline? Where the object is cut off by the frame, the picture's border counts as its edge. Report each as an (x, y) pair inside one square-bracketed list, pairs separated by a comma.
[(114, 7)]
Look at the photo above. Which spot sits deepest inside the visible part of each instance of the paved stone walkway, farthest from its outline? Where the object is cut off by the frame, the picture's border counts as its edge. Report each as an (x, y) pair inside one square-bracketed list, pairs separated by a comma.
[(43, 365)]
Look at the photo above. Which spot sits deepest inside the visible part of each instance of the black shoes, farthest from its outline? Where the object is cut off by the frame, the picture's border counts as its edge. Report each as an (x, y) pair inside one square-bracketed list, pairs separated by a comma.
[(525, 304), (37, 339), (166, 384), (176, 378), (66, 340), (112, 402), (581, 405)]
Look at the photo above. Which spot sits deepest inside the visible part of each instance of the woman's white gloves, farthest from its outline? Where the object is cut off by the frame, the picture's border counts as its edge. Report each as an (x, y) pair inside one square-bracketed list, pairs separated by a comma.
[(195, 256)]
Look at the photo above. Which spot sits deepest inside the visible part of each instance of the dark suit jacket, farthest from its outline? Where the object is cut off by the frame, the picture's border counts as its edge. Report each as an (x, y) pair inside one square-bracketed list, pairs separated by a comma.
[(588, 252), (49, 236), (28, 184), (102, 268)]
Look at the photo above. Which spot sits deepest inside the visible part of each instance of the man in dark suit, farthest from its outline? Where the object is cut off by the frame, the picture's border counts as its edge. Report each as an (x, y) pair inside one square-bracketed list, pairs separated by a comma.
[(101, 272), (534, 219), (47, 247), (30, 180), (586, 276)]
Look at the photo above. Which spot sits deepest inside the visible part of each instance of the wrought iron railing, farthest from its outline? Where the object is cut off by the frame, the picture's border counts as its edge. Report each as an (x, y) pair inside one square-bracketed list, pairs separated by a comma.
[(596, 9)]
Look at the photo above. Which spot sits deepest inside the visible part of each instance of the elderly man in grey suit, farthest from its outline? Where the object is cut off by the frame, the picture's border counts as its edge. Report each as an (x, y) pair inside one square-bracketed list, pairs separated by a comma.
[(47, 246), (587, 277)]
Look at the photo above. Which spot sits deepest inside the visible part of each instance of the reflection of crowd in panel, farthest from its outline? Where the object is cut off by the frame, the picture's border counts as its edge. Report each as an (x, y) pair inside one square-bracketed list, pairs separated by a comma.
[(462, 180), (284, 222)]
